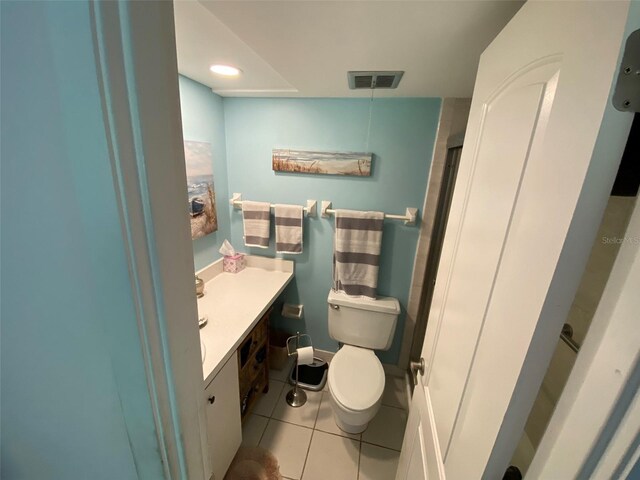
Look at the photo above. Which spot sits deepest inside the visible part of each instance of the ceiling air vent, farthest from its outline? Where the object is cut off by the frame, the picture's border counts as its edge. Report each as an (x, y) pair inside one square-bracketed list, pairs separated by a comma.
[(371, 80)]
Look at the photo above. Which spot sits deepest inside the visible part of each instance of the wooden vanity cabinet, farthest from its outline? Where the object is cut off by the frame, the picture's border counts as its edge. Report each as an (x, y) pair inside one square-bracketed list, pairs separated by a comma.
[(224, 427), (253, 365)]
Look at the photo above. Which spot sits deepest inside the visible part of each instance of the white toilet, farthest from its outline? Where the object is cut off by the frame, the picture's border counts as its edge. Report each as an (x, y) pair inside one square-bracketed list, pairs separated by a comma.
[(356, 376)]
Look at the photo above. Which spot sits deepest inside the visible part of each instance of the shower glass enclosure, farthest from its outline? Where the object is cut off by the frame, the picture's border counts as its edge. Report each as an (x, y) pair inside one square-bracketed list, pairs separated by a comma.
[(454, 150)]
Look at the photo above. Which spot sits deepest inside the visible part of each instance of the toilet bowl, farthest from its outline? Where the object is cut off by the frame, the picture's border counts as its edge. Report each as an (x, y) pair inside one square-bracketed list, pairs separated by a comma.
[(356, 383)]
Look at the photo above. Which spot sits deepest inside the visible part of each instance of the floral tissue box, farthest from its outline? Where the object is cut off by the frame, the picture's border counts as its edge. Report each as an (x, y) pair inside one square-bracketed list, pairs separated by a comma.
[(233, 263)]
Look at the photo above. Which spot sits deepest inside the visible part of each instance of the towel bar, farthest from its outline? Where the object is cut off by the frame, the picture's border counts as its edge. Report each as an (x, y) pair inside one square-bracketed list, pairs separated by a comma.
[(409, 217), (309, 210)]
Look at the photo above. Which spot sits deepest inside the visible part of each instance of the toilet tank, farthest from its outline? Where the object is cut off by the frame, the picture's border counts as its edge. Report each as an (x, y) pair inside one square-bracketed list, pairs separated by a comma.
[(363, 322)]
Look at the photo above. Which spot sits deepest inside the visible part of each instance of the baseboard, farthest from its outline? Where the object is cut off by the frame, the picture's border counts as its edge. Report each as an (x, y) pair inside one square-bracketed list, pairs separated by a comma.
[(323, 355), (393, 370)]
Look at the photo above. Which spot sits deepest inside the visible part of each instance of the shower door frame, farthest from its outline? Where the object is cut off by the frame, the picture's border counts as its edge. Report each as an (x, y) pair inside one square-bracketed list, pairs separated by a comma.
[(445, 195)]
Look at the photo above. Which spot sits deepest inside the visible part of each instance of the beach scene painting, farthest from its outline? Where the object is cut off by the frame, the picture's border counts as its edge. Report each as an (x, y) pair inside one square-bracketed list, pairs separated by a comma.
[(323, 163), (202, 198)]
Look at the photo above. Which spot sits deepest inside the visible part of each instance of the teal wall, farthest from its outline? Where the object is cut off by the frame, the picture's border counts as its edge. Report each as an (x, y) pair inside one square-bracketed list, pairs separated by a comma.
[(74, 393), (634, 474), (203, 121), (401, 138), (243, 132)]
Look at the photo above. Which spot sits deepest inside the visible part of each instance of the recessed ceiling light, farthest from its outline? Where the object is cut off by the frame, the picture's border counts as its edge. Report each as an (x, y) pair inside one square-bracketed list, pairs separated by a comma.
[(226, 70)]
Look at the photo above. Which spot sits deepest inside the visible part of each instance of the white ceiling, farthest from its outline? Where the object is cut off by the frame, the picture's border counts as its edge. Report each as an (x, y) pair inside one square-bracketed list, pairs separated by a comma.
[(305, 48)]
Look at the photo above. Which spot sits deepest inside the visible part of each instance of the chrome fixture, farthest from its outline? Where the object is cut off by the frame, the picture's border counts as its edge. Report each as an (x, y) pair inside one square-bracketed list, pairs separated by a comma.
[(199, 287), (296, 397), (567, 337), (417, 367)]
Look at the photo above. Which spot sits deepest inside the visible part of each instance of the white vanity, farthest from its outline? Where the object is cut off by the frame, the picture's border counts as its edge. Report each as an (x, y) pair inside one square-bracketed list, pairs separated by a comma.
[(234, 304)]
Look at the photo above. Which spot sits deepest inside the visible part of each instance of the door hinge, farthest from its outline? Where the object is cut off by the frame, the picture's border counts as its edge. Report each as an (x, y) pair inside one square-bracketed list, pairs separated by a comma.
[(626, 96)]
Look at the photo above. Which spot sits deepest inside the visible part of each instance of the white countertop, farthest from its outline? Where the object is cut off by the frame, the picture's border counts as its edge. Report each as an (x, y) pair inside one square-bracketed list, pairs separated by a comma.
[(234, 302)]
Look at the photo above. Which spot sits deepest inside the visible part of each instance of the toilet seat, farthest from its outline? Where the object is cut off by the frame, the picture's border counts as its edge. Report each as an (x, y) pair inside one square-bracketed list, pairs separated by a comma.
[(356, 378)]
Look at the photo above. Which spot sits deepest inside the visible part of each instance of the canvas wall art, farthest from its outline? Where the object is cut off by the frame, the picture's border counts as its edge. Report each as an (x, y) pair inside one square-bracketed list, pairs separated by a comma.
[(202, 198), (324, 163)]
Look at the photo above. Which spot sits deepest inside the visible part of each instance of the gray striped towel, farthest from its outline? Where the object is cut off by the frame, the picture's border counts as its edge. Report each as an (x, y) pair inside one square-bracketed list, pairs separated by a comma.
[(356, 254), (256, 217), (288, 228)]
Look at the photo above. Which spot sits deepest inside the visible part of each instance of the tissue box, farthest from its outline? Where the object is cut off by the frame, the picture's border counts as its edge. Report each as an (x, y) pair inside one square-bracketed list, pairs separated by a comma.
[(233, 263)]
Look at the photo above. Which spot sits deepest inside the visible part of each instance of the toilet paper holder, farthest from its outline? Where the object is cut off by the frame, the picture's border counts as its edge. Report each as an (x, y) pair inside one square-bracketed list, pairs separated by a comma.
[(296, 397), (297, 337)]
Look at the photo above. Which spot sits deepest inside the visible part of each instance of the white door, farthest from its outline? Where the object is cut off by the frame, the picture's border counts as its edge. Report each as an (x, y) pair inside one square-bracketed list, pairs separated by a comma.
[(518, 234)]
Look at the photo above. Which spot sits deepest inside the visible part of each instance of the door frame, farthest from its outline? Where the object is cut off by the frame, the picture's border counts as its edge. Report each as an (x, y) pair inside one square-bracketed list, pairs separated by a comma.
[(135, 52)]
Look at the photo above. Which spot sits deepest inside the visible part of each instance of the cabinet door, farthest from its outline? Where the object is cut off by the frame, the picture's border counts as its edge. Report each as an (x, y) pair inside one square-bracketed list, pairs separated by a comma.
[(223, 417)]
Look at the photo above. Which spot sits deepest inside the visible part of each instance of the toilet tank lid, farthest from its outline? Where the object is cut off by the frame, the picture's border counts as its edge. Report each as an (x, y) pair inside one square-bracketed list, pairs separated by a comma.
[(381, 304)]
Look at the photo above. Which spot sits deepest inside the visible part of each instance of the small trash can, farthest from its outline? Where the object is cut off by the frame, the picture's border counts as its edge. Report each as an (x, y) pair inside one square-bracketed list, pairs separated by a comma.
[(278, 356)]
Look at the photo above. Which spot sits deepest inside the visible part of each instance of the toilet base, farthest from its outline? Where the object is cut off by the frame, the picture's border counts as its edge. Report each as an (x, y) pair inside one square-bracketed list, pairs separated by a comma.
[(352, 429)]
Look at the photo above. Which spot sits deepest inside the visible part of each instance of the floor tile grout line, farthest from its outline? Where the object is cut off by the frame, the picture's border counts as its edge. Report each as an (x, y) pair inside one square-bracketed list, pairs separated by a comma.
[(359, 439), (315, 421), (290, 423), (306, 458), (337, 435), (274, 406), (393, 406), (359, 443), (397, 408), (359, 457), (295, 425), (331, 433), (381, 446), (265, 429)]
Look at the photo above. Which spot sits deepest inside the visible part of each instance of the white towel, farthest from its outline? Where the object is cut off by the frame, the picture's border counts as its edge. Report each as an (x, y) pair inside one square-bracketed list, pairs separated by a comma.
[(356, 254), (256, 218), (288, 228)]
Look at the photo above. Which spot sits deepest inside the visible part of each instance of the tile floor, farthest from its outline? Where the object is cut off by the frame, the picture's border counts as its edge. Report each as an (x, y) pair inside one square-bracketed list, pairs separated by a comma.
[(309, 445)]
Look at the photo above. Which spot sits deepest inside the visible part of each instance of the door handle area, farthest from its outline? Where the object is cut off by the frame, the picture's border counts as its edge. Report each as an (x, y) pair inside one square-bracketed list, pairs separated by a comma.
[(417, 367)]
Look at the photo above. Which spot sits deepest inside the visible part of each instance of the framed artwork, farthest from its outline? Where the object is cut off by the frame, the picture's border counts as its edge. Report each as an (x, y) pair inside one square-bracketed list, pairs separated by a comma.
[(202, 198), (323, 163)]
